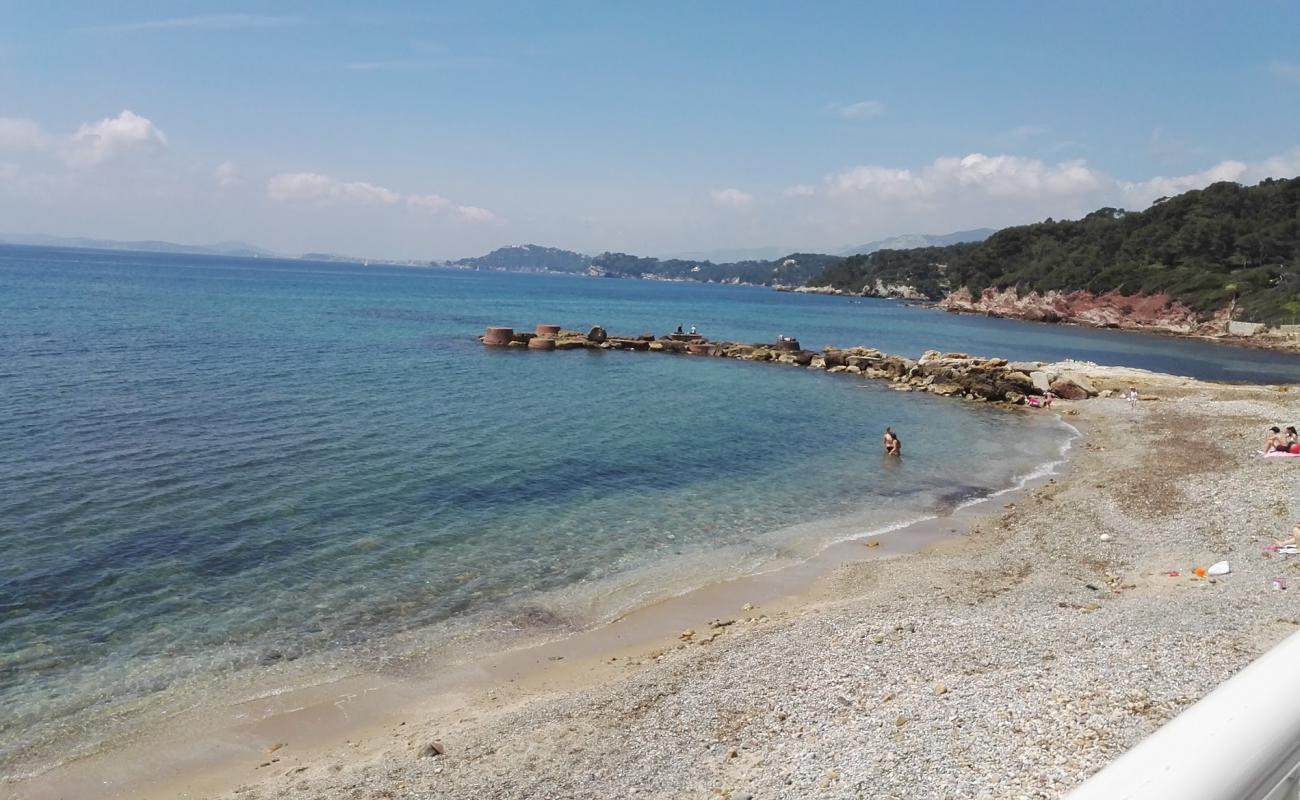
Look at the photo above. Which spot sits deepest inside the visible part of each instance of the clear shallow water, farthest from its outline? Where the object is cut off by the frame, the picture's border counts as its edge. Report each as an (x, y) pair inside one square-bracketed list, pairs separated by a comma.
[(215, 466)]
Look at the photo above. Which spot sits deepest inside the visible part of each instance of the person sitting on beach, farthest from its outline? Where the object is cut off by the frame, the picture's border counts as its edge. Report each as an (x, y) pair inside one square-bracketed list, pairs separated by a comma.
[(1275, 442), (893, 445), (1293, 541)]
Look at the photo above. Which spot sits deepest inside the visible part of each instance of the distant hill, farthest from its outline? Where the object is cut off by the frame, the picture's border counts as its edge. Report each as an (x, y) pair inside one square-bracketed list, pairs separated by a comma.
[(242, 249), (791, 270), (1224, 246), (527, 258), (910, 241), (730, 256)]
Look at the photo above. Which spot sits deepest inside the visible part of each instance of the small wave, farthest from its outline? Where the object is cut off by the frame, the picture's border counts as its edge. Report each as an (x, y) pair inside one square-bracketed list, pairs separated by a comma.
[(1044, 470)]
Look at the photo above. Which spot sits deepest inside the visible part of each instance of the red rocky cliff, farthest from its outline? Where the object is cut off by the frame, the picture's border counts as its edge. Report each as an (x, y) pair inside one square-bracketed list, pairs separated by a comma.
[(1109, 310)]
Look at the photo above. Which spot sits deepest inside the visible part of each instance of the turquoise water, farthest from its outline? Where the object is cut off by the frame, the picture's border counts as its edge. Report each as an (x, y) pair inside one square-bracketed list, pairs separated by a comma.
[(214, 467)]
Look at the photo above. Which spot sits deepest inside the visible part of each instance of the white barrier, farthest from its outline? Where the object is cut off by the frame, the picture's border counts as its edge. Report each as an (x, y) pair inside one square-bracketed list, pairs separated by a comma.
[(1240, 742)]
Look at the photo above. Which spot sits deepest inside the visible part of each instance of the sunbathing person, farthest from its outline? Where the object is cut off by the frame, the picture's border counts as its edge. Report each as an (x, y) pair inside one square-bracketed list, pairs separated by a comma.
[(1294, 541), (1275, 443)]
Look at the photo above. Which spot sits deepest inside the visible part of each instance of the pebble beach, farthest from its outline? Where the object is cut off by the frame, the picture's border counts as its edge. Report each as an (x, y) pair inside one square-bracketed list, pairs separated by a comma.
[(1013, 661)]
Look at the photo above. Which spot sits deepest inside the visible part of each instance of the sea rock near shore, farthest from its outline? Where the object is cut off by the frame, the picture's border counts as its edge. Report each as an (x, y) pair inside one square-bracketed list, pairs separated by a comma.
[(950, 374)]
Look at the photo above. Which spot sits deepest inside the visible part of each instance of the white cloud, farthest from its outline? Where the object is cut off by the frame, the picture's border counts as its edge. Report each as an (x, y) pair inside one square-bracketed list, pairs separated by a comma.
[(876, 180), (954, 192), (996, 176), (206, 22), (799, 190), (227, 175), (324, 190), (860, 110), (432, 203), (732, 198), (128, 132), (476, 215), (1285, 70), (312, 187), (1286, 165), (21, 134), (1139, 194)]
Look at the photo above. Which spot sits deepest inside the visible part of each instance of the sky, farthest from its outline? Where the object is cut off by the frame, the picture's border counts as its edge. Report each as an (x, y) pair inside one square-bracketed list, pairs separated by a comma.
[(440, 130)]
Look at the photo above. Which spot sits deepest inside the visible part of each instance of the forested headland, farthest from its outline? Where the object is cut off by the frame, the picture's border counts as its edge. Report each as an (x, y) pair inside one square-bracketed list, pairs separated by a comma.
[(1224, 246)]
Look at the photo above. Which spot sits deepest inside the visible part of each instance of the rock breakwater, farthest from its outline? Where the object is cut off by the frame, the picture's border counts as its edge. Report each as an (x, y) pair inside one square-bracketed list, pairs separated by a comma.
[(950, 374)]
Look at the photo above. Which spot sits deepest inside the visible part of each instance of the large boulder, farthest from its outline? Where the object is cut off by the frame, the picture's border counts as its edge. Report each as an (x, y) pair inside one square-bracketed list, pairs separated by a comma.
[(1040, 381), (1067, 389), (1080, 381), (597, 334)]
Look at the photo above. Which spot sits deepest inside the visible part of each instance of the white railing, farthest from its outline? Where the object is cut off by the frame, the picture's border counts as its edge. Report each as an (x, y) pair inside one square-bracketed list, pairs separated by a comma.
[(1241, 742)]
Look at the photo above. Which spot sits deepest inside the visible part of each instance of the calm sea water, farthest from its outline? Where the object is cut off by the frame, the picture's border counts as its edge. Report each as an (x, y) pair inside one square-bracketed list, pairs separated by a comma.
[(213, 467)]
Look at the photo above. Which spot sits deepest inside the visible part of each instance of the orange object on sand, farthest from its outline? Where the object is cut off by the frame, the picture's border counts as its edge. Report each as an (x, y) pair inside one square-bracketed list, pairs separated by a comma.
[(1200, 572)]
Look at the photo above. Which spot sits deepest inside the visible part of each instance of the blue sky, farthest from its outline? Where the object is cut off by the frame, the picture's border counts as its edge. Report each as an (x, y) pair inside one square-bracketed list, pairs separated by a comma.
[(437, 130)]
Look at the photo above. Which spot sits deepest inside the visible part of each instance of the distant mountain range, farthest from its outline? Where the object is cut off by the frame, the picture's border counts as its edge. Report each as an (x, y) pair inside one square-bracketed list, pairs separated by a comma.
[(789, 270), (765, 266), (527, 258), (912, 241), (242, 249)]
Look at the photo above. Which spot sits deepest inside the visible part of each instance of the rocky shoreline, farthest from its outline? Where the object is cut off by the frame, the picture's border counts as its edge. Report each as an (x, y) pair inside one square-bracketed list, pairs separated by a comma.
[(1155, 314), (949, 374)]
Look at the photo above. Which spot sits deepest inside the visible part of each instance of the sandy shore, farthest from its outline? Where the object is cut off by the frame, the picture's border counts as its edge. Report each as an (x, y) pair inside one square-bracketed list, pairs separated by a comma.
[(1011, 661)]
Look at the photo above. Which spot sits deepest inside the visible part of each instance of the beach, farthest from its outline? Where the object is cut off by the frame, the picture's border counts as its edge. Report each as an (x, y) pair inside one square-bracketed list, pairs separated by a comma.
[(1013, 656)]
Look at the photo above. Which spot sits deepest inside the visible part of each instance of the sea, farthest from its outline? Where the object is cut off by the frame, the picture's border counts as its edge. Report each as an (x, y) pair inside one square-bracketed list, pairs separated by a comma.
[(215, 467)]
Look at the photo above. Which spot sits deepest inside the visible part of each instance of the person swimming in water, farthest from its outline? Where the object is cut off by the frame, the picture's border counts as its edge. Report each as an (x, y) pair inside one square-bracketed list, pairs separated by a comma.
[(893, 445)]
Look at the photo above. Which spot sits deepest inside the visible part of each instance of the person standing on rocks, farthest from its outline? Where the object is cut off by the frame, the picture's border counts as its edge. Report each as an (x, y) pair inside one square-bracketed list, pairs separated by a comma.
[(893, 445)]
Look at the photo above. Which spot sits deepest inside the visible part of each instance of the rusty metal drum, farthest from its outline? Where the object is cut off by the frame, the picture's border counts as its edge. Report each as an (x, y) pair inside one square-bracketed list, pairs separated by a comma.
[(498, 337)]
